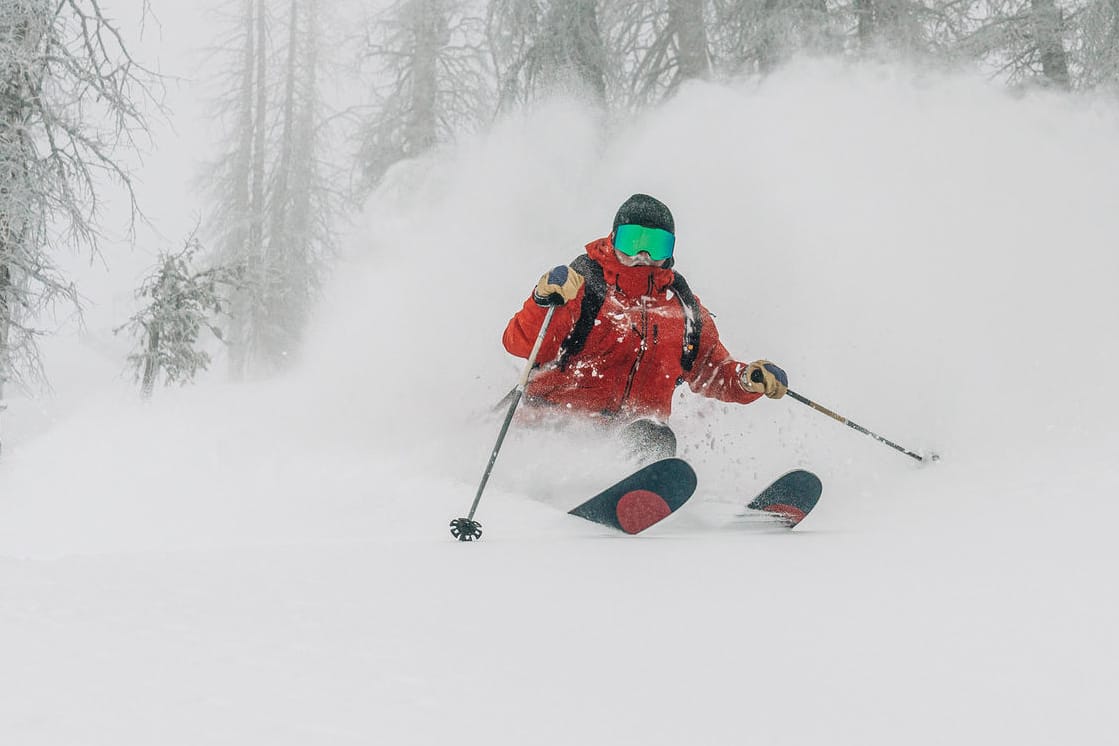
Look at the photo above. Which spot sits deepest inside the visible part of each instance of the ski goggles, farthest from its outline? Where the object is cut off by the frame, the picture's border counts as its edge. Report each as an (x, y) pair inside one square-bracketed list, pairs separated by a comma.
[(631, 240)]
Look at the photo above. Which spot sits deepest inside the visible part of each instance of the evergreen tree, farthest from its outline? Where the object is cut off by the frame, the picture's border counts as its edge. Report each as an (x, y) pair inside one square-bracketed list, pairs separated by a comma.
[(181, 302)]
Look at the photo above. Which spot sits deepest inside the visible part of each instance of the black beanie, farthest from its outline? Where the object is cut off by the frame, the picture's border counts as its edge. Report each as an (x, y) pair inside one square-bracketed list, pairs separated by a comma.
[(641, 209)]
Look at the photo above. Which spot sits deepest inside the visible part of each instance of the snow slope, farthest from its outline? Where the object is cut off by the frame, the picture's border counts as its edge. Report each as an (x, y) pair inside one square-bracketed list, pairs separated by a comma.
[(928, 255)]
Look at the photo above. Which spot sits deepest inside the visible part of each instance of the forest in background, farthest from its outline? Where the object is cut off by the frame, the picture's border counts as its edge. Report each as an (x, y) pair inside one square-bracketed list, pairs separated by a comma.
[(296, 155)]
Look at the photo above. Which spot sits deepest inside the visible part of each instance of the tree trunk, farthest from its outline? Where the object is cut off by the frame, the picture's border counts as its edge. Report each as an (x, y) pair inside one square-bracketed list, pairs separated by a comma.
[(303, 214), (255, 262), (865, 25), (883, 24), (1047, 27), (587, 52), (256, 198), (685, 18), (6, 251), (571, 48), (151, 364), (769, 47), (280, 186), (16, 153), (238, 248), (282, 244), (5, 326), (428, 22)]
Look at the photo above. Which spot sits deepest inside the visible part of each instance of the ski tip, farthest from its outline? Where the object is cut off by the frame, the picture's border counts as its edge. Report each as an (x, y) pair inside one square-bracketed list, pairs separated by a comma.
[(790, 498)]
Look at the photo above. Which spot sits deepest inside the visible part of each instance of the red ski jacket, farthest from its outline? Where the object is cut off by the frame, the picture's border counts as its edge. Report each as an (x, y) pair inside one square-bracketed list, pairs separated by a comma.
[(646, 338)]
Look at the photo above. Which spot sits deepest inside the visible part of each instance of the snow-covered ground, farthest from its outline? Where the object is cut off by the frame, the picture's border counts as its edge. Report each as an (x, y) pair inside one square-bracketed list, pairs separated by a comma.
[(270, 563)]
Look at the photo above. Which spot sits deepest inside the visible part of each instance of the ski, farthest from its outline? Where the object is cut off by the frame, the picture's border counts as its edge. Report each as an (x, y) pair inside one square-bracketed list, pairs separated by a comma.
[(642, 499), (789, 499), (658, 490)]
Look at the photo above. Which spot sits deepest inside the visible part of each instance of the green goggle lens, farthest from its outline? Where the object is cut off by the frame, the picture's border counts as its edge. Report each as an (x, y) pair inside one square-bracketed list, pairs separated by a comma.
[(631, 240)]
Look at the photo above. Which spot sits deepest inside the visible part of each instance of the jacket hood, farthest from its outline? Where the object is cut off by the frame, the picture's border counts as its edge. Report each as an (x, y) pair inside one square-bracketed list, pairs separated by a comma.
[(631, 281)]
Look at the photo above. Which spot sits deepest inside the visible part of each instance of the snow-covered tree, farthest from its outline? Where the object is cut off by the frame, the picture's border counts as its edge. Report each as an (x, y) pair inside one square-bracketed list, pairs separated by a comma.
[(237, 181), (429, 79), (180, 302), (301, 201), (658, 44), (1023, 40), (71, 98), (754, 36), (541, 45), (1047, 31), (891, 25), (1094, 48)]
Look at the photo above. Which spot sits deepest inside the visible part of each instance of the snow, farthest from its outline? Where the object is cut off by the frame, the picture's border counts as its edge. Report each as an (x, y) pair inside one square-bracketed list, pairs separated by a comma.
[(270, 562)]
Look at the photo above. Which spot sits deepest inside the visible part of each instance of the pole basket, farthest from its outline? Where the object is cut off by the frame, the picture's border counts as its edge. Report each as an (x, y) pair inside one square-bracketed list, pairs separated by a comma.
[(466, 529)]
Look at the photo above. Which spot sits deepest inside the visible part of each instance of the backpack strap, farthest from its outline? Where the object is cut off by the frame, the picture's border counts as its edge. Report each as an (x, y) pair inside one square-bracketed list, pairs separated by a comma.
[(594, 293), (693, 322)]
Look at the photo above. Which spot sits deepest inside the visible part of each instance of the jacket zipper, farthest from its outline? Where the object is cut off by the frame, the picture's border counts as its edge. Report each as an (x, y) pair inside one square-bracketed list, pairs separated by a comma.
[(643, 331)]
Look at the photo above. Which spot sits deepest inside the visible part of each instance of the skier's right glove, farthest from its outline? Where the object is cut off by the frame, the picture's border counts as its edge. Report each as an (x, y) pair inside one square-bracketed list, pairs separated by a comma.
[(557, 287)]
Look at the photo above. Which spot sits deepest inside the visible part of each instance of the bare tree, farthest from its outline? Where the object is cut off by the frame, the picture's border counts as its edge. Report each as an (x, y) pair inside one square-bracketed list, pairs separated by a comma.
[(430, 80), (301, 202), (234, 185), (274, 205), (754, 36), (1023, 40), (71, 98), (542, 45), (1094, 44), (892, 26), (1047, 30), (659, 44)]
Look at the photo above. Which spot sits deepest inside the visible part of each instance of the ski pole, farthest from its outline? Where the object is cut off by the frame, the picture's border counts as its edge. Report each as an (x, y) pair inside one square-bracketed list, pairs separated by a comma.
[(757, 377), (860, 428), (468, 529)]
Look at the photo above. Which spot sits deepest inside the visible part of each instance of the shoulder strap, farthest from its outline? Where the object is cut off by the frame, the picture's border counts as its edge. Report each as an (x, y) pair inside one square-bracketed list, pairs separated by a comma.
[(693, 322), (594, 293)]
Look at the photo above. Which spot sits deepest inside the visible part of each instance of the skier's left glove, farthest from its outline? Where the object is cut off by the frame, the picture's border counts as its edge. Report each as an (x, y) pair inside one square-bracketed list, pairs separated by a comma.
[(764, 377)]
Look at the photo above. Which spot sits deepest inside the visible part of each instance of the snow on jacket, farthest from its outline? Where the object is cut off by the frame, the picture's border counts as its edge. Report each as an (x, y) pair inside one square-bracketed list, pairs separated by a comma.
[(632, 359)]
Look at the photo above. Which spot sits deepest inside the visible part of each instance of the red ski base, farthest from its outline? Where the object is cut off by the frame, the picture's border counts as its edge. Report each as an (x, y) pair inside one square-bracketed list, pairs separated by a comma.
[(788, 513), (639, 509)]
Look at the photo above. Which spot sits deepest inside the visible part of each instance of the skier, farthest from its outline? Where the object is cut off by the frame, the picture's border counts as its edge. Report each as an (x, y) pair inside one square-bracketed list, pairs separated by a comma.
[(626, 331)]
